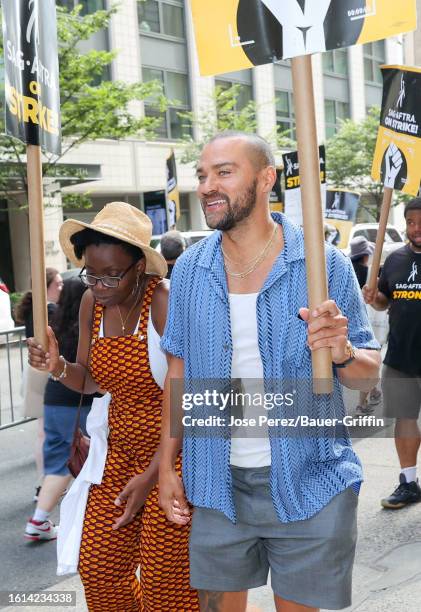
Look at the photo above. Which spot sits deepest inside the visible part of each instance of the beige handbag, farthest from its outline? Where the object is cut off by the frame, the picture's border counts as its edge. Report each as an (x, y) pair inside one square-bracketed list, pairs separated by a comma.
[(34, 382)]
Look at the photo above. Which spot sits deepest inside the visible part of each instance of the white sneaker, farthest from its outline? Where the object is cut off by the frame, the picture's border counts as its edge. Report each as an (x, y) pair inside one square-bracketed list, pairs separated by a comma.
[(40, 530)]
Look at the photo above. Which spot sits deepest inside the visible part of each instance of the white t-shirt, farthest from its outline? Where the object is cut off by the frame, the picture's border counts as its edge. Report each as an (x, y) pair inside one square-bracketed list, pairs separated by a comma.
[(247, 365)]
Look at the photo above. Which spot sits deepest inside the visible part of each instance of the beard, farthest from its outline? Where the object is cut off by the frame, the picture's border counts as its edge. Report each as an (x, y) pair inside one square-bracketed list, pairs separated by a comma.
[(237, 211), (415, 243)]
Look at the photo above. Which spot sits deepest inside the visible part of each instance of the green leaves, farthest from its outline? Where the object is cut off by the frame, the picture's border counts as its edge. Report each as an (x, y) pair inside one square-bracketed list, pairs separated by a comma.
[(92, 105), (350, 156), (223, 114)]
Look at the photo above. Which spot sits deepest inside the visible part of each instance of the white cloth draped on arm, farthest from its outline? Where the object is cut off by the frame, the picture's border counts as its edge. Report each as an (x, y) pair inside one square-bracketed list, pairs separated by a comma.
[(72, 509)]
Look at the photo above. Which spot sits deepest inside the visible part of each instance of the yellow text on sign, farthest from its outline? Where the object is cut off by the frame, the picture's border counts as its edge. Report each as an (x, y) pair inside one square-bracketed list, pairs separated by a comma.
[(294, 181), (28, 109)]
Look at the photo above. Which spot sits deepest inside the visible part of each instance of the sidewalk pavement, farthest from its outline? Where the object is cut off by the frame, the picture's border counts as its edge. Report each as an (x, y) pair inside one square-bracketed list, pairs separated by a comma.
[(387, 574)]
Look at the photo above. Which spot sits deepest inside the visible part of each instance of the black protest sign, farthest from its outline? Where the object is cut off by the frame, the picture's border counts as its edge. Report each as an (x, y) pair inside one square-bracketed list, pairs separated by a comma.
[(236, 34), (31, 73), (293, 208), (155, 205), (276, 196), (341, 212), (173, 195), (397, 158)]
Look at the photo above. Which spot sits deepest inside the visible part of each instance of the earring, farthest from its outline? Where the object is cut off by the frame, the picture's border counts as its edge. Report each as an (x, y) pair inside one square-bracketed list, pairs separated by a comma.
[(136, 288)]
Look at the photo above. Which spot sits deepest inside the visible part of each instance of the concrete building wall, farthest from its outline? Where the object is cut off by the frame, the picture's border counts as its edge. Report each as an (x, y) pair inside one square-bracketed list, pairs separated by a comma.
[(264, 94), (412, 43), (131, 167), (356, 82)]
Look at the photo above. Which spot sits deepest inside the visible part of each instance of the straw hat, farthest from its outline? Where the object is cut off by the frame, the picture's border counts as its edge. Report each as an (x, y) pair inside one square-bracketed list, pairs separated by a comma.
[(122, 221)]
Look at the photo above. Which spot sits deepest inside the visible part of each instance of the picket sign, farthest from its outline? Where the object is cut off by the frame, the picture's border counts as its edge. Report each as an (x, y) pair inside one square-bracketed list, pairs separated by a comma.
[(381, 233), (36, 241), (397, 156), (32, 112), (311, 198)]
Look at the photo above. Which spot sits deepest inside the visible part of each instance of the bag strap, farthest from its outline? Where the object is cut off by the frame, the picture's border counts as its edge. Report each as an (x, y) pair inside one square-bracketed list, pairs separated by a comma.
[(82, 394)]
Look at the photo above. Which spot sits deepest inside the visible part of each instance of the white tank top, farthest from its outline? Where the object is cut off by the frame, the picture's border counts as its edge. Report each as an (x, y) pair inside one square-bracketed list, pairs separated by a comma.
[(157, 359), (247, 365)]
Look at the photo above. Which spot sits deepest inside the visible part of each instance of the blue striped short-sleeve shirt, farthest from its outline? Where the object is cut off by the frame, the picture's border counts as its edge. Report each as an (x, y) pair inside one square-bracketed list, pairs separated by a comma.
[(306, 470)]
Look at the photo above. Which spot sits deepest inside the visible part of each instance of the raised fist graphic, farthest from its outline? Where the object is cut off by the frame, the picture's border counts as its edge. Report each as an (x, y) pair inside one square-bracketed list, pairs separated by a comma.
[(393, 163)]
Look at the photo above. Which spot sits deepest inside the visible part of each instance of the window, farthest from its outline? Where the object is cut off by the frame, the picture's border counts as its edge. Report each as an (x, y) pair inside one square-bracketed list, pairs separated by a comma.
[(161, 18), (335, 112), (374, 57), (335, 62), (245, 94), (285, 116), (175, 87), (88, 6)]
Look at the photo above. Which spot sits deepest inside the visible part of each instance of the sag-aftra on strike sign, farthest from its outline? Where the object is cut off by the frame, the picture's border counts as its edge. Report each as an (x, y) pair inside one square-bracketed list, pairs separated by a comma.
[(31, 72), (398, 149), (238, 34)]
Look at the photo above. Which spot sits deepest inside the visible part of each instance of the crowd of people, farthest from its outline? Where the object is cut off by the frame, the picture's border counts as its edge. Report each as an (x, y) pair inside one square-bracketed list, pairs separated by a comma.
[(208, 523)]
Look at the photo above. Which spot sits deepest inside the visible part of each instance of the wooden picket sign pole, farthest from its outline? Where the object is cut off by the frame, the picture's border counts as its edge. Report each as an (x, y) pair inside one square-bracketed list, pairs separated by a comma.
[(381, 232), (311, 198), (36, 238)]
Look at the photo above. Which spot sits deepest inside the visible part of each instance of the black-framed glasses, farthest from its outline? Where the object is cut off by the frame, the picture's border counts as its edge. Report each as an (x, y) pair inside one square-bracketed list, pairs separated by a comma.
[(111, 282)]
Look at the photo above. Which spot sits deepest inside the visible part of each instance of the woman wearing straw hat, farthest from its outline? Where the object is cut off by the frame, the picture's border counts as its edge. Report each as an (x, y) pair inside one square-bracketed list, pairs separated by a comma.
[(121, 320)]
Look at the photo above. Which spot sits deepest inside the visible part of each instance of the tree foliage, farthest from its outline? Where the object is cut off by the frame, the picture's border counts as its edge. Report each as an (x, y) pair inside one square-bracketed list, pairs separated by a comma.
[(92, 105), (350, 156), (222, 114)]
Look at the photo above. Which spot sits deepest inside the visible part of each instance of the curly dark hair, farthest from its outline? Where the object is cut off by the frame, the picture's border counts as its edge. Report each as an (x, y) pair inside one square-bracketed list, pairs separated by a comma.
[(65, 321), (88, 236)]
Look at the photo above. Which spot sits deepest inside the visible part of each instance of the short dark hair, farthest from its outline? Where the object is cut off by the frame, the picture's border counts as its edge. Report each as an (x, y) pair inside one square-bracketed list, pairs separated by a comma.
[(414, 204), (172, 245), (261, 149), (88, 236)]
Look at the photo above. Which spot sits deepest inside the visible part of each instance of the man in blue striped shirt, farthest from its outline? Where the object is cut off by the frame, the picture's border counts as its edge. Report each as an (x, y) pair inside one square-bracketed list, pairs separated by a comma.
[(269, 498)]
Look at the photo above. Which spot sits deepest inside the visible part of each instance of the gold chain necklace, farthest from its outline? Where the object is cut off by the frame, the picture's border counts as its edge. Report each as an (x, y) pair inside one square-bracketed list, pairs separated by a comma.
[(247, 263), (135, 303), (123, 323), (256, 261)]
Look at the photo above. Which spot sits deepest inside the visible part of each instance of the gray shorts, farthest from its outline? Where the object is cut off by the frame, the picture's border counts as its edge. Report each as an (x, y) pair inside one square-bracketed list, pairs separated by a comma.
[(401, 394), (310, 561)]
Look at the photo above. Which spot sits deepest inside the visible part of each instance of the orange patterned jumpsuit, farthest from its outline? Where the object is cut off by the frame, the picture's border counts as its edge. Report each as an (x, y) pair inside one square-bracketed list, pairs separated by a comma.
[(109, 558)]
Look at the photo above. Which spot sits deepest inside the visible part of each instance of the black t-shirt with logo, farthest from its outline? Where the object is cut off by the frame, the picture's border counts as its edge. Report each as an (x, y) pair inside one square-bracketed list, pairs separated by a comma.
[(400, 281)]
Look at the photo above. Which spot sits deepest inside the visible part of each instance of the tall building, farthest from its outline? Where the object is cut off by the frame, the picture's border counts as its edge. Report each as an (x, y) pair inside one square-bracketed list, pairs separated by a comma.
[(413, 43), (155, 40)]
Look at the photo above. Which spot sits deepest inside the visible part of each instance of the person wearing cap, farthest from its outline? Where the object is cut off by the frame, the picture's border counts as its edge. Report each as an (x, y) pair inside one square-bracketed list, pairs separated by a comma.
[(172, 246), (122, 317), (360, 251), (399, 291)]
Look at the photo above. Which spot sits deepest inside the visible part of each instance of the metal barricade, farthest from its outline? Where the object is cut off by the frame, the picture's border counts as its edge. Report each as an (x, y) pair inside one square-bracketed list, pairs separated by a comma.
[(12, 357)]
